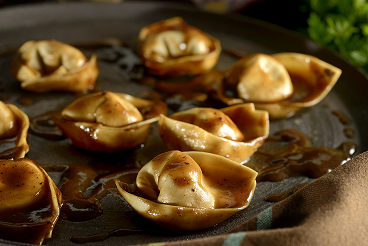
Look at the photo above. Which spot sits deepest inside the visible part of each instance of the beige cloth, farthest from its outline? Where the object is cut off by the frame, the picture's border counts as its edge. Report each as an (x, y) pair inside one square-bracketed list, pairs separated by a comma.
[(332, 210)]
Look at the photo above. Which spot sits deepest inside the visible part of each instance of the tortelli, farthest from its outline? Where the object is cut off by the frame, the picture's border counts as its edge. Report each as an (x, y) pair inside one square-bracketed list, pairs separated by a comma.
[(50, 65), (188, 191)]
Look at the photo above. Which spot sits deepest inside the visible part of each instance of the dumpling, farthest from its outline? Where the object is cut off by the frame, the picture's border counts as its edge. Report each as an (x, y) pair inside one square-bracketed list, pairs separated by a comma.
[(14, 124), (173, 48), (259, 78), (235, 132), (188, 191), (50, 65), (29, 202), (265, 81), (108, 122)]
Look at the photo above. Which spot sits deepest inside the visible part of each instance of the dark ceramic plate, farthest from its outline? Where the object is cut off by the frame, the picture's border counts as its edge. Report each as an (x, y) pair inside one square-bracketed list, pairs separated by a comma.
[(81, 22)]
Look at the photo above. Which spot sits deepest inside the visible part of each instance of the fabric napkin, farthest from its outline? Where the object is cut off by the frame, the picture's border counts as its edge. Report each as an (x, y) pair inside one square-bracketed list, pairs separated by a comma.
[(332, 210)]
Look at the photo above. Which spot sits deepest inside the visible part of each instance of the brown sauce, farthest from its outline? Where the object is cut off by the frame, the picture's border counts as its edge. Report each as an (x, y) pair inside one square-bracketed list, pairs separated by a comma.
[(26, 101), (289, 153), (43, 126), (82, 187), (8, 148), (350, 133), (342, 118), (277, 197), (303, 92)]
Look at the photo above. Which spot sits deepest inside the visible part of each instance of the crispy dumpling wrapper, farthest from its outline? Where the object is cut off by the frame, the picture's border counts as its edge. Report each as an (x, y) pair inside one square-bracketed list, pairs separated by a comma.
[(235, 132), (108, 122), (173, 48), (50, 65), (188, 191), (14, 124), (30, 202), (312, 79)]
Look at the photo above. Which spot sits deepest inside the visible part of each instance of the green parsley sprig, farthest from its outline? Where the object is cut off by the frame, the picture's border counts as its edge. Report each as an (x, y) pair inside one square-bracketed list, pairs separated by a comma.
[(341, 25)]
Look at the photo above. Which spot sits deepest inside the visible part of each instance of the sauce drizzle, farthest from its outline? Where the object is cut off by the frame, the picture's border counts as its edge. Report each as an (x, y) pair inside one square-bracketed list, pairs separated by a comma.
[(8, 148), (292, 154), (43, 126), (82, 188)]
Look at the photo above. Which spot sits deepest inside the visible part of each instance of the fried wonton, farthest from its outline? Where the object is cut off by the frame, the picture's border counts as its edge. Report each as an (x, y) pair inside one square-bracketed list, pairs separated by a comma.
[(188, 191), (235, 132), (50, 65), (108, 122), (173, 48)]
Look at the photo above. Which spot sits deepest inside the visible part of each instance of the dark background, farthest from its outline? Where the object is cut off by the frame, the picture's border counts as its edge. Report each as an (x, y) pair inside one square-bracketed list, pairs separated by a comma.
[(291, 14)]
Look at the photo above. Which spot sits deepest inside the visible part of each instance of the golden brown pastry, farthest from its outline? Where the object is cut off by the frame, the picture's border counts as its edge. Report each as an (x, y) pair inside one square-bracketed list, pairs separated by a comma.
[(50, 65), (14, 124), (188, 191), (234, 132), (30, 202), (265, 81), (171, 47), (108, 122)]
